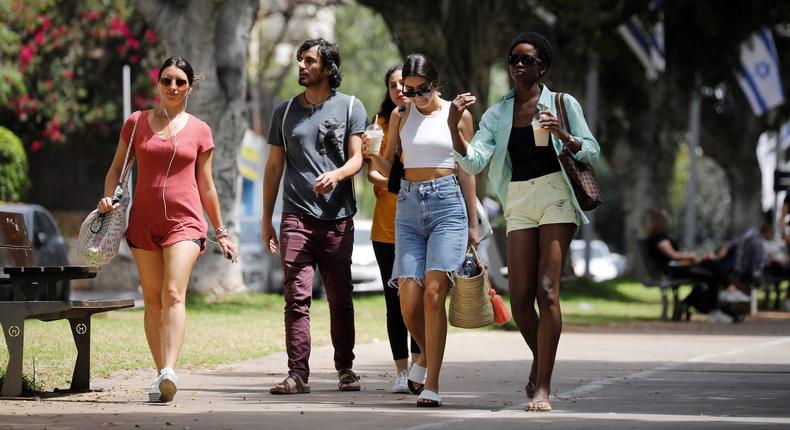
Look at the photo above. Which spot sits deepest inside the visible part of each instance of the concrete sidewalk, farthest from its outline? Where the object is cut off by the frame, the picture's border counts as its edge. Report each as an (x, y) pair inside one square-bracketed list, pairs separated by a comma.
[(602, 381)]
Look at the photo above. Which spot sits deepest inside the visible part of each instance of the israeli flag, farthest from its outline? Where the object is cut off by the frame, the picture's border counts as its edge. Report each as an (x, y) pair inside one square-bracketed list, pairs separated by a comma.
[(759, 72), (648, 46)]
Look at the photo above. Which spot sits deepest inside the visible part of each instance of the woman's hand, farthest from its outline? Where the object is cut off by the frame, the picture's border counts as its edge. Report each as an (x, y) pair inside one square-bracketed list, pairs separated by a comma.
[(105, 205), (228, 250), (552, 124), (474, 236), (365, 140), (457, 107)]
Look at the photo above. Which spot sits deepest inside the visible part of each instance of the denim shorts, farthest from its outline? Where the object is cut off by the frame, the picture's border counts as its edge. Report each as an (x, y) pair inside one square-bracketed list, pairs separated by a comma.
[(539, 201), (431, 228)]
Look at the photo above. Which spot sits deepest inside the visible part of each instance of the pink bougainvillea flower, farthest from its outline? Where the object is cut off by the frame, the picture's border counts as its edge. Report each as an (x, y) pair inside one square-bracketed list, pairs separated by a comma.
[(48, 84), (68, 74), (39, 38), (154, 74), (133, 43), (150, 36), (135, 59), (122, 49), (36, 145), (26, 54)]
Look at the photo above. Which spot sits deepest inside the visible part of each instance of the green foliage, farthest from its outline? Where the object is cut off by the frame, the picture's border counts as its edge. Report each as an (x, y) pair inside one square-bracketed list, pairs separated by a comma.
[(13, 167), (367, 51), (61, 68)]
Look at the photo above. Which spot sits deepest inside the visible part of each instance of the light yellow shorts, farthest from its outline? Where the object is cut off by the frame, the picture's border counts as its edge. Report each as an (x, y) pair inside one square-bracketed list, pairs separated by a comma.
[(539, 201)]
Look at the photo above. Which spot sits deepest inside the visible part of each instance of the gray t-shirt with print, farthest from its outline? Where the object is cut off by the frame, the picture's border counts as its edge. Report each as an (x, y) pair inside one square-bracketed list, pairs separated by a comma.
[(316, 142)]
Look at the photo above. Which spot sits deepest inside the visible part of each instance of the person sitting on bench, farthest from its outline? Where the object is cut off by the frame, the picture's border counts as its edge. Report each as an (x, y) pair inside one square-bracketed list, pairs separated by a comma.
[(707, 274)]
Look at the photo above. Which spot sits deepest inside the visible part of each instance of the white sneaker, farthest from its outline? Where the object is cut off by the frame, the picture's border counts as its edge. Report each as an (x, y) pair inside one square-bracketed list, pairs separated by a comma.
[(718, 316), (168, 384), (734, 295), (401, 384), (153, 392)]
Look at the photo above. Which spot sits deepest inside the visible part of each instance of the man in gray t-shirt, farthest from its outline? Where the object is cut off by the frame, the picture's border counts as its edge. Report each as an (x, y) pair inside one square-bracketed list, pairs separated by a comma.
[(315, 139)]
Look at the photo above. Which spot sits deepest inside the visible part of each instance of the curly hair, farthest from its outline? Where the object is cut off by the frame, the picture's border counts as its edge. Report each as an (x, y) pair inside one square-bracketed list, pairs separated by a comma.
[(538, 41), (330, 58)]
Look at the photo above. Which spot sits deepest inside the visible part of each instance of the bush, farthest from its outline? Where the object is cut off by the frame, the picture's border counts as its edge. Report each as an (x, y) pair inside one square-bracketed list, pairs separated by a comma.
[(13, 167)]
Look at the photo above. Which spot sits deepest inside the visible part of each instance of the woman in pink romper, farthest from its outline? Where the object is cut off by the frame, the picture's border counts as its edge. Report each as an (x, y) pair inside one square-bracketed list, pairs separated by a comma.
[(167, 231)]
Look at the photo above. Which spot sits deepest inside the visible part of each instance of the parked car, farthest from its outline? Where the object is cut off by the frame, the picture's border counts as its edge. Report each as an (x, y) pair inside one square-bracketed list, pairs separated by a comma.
[(49, 245), (263, 271), (604, 265)]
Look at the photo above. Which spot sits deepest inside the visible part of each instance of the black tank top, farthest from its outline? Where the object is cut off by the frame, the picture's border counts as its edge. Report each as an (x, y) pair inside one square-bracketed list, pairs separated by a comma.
[(530, 161)]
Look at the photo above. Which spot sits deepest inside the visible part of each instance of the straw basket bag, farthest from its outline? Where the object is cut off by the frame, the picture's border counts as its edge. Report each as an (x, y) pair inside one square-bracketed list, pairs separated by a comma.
[(470, 302)]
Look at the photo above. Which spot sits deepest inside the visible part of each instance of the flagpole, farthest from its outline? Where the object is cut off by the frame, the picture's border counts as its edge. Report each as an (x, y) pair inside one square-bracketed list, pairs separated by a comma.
[(691, 191)]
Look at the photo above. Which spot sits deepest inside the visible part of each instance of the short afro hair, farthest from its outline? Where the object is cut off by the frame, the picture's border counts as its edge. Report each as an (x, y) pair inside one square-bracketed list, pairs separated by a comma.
[(330, 57), (538, 41)]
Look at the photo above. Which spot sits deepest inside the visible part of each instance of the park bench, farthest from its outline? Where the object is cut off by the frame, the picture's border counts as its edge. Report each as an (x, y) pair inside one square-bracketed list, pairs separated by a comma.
[(652, 276), (31, 292)]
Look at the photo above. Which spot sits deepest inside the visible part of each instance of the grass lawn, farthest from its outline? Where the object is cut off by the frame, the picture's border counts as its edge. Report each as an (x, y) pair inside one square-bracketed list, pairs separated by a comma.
[(251, 326)]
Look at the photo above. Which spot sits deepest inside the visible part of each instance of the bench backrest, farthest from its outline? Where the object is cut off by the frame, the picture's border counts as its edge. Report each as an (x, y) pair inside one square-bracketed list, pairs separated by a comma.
[(15, 248)]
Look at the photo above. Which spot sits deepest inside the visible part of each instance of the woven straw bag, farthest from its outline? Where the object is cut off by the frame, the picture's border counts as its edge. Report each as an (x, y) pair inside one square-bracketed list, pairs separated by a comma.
[(100, 234), (470, 303)]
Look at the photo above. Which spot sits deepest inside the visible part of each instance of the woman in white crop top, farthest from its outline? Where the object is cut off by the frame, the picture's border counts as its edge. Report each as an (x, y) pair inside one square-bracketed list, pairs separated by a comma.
[(432, 229)]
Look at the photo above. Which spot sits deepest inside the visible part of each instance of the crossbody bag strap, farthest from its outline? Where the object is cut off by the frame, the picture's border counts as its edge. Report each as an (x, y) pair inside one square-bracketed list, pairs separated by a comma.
[(562, 113), (127, 164), (282, 124)]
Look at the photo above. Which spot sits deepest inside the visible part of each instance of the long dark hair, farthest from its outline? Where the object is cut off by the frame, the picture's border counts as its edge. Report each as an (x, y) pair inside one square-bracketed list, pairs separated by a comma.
[(330, 57), (180, 63), (417, 64), (387, 105)]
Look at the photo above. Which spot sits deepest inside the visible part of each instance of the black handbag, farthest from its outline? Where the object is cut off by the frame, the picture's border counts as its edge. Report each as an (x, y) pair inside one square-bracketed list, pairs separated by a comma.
[(396, 172)]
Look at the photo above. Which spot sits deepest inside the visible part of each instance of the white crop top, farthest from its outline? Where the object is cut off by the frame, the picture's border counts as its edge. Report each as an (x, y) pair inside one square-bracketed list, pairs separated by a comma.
[(426, 139)]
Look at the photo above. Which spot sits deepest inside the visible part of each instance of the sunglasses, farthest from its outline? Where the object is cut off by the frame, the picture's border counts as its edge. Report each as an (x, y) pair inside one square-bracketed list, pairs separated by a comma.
[(526, 60), (167, 81), (421, 92)]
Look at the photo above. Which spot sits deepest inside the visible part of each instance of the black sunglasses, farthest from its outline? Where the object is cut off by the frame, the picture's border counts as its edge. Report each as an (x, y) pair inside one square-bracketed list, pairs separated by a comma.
[(422, 92), (526, 60), (167, 81)]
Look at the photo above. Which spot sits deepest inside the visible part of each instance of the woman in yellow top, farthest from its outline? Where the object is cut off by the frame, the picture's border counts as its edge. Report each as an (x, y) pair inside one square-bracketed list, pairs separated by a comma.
[(383, 236)]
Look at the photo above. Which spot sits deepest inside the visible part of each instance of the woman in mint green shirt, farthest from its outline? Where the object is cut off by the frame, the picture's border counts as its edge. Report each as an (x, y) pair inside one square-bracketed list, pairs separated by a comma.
[(541, 211)]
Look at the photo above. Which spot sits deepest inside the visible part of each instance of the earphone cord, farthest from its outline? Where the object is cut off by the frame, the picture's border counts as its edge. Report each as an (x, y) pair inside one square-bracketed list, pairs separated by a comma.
[(174, 138)]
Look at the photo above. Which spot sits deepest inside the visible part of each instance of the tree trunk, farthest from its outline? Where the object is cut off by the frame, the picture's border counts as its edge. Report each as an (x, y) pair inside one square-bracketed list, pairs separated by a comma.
[(213, 36), (731, 140)]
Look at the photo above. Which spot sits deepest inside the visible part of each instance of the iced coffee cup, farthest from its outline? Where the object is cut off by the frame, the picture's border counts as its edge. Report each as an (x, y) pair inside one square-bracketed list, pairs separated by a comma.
[(541, 134), (375, 134)]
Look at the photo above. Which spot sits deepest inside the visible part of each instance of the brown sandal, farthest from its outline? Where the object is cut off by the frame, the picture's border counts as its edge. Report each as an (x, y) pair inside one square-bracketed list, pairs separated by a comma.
[(291, 385), (348, 380)]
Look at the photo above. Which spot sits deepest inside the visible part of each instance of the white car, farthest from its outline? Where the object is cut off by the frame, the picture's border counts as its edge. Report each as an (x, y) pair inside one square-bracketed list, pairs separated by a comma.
[(263, 271), (603, 264)]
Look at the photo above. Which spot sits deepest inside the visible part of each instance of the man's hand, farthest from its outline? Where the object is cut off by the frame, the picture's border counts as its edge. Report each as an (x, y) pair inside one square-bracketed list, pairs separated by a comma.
[(269, 237), (326, 182)]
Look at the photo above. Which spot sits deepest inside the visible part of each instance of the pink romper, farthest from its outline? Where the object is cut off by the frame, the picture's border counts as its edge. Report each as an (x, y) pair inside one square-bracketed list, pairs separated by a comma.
[(149, 227)]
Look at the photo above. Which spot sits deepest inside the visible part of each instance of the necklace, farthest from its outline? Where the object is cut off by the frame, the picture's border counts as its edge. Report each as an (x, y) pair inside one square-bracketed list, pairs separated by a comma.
[(312, 106)]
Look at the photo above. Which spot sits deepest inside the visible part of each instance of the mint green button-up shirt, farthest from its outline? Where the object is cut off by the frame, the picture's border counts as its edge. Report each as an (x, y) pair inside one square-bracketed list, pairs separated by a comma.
[(490, 142)]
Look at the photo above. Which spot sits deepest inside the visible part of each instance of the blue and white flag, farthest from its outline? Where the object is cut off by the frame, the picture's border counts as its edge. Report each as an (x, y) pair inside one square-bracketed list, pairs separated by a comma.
[(648, 46), (758, 75)]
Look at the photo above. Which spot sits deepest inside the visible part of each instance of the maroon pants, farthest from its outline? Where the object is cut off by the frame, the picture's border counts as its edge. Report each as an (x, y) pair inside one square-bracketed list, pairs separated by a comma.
[(304, 243)]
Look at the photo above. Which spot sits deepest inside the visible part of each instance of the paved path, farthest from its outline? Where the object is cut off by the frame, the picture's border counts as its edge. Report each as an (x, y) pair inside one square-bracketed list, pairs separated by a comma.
[(602, 381)]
